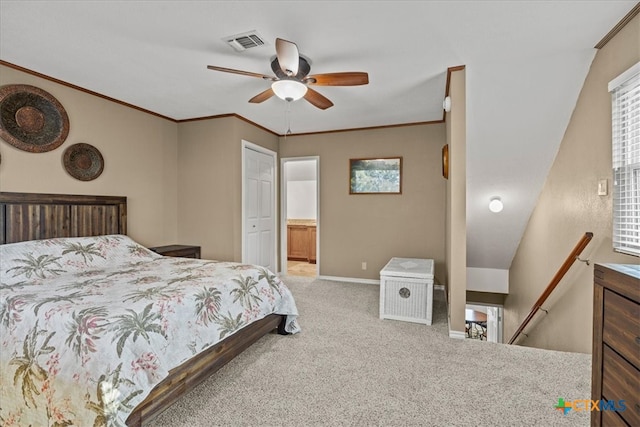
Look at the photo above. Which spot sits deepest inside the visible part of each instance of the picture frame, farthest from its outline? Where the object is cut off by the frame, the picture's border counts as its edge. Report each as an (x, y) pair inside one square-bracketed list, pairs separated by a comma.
[(382, 175)]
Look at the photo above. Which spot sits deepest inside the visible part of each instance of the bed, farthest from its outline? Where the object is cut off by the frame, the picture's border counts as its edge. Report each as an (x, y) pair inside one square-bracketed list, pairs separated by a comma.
[(98, 330)]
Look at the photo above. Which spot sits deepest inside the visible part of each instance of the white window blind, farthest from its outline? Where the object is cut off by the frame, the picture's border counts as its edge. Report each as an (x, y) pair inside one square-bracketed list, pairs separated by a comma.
[(625, 96)]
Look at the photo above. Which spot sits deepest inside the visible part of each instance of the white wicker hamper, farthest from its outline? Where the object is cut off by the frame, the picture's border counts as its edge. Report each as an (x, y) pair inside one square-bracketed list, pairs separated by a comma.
[(406, 290)]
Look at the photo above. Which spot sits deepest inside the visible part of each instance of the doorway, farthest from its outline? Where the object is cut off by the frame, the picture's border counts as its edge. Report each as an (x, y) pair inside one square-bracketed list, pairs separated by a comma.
[(259, 245), (484, 322), (300, 219)]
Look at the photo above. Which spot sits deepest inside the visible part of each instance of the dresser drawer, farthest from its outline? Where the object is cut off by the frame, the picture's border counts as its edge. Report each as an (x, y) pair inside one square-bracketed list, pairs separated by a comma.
[(621, 326), (621, 381)]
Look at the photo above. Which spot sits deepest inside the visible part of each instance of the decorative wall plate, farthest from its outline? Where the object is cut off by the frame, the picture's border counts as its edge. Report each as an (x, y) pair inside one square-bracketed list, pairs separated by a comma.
[(32, 119), (83, 162)]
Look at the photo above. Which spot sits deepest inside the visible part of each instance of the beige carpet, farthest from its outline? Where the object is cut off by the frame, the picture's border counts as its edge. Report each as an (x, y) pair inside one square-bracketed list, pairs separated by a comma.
[(348, 367)]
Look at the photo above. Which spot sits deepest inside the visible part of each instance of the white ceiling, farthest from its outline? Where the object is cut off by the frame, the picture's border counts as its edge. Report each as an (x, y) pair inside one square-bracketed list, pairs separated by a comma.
[(525, 64)]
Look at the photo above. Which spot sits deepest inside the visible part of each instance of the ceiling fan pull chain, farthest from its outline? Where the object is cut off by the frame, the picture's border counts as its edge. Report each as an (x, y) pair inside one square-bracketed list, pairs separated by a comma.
[(288, 117)]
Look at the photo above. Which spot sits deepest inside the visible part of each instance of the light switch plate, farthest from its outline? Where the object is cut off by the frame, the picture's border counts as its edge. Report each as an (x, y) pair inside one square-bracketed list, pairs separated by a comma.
[(602, 187)]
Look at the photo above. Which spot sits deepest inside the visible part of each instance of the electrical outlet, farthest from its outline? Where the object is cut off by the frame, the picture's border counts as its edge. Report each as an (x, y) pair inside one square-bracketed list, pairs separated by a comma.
[(364, 265), (602, 187)]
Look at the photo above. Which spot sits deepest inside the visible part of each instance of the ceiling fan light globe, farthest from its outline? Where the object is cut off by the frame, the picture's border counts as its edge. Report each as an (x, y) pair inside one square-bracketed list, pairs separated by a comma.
[(496, 205), (289, 90)]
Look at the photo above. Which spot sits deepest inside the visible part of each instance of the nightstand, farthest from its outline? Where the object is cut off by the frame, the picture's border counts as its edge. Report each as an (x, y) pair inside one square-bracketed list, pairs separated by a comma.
[(184, 251)]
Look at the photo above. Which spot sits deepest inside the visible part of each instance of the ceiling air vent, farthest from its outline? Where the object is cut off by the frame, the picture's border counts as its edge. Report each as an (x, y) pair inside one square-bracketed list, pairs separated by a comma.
[(244, 41)]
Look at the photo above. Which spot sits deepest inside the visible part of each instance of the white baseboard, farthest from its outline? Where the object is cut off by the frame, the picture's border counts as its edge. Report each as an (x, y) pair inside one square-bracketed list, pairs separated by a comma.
[(350, 279), (457, 335), (436, 287)]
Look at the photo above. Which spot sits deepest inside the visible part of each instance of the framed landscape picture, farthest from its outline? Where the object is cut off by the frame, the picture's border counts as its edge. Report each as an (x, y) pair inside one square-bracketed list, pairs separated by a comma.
[(375, 176)]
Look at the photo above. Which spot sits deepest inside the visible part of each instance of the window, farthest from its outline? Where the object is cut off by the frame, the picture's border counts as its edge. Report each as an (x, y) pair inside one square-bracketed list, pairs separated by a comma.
[(625, 96)]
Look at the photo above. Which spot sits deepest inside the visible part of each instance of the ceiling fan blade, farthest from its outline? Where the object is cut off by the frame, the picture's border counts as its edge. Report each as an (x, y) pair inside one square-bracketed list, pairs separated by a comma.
[(288, 56), (349, 78), (244, 73), (262, 96), (317, 99)]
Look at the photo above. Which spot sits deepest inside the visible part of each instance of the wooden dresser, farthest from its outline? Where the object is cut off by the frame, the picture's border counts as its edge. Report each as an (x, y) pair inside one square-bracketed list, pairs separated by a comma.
[(615, 374)]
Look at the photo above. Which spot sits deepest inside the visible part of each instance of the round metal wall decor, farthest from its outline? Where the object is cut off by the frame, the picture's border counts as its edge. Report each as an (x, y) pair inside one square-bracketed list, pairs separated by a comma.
[(83, 162), (32, 119)]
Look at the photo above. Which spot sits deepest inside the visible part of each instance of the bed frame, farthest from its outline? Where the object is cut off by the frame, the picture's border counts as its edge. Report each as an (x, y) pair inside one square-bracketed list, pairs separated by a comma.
[(30, 216)]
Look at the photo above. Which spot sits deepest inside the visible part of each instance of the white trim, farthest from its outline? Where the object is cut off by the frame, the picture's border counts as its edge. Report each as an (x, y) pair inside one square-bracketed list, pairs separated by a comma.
[(407, 319), (453, 334), (283, 205), (358, 280), (484, 304), (625, 100), (635, 69), (263, 150), (350, 280), (500, 320), (457, 335)]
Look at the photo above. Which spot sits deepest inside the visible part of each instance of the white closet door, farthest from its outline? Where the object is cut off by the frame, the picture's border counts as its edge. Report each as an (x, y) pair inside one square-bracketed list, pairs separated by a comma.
[(259, 206)]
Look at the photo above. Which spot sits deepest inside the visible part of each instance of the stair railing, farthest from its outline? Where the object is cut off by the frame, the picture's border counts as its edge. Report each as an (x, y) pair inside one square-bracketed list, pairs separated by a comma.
[(573, 256)]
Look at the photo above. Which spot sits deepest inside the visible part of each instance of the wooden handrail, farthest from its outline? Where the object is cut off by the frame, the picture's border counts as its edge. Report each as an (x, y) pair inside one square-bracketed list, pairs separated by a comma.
[(584, 241)]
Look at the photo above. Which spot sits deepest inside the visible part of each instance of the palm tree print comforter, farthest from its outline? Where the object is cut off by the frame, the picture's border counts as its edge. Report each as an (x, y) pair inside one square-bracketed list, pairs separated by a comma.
[(88, 326)]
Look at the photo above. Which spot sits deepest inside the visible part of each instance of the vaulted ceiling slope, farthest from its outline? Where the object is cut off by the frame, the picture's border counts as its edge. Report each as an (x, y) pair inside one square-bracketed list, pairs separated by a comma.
[(525, 64)]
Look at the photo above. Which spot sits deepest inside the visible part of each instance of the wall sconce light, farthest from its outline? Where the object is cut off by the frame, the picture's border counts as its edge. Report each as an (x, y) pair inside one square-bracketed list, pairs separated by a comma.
[(446, 104), (496, 205), (289, 90)]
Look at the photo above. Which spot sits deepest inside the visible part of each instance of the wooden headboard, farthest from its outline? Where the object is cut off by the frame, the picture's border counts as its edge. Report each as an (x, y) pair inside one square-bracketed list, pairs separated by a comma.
[(32, 216)]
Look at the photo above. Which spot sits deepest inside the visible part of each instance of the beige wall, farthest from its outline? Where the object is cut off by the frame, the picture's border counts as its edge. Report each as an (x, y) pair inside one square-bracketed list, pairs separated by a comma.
[(139, 150), (375, 228), (568, 207), (456, 194), (210, 183), (183, 180)]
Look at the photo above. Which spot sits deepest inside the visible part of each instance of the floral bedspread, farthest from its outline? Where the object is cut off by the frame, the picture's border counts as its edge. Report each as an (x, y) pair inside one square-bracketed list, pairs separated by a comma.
[(88, 326)]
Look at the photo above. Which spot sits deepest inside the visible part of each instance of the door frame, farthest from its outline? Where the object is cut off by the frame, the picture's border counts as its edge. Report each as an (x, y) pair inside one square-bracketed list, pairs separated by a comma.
[(255, 147), (283, 209), (499, 319)]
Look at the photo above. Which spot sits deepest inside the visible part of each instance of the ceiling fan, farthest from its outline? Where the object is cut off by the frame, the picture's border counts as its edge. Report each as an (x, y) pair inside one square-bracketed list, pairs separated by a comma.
[(291, 81)]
